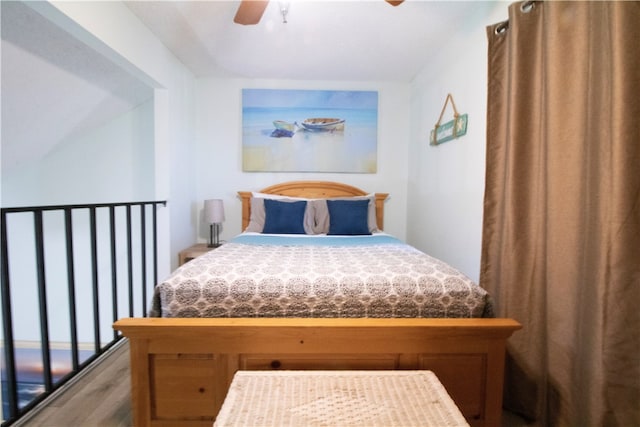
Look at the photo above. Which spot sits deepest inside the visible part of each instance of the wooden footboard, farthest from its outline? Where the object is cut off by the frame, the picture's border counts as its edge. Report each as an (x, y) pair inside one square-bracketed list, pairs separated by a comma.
[(181, 369)]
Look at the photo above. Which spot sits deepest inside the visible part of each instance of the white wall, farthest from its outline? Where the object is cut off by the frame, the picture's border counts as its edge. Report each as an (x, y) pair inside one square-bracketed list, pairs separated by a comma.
[(219, 149), (110, 163), (446, 182), (111, 28)]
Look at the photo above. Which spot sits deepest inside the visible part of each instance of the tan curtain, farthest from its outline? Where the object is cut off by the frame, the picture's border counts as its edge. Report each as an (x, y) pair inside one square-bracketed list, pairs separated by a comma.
[(561, 233)]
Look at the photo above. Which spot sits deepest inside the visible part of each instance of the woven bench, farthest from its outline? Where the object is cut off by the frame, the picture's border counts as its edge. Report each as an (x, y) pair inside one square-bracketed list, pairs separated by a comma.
[(338, 398)]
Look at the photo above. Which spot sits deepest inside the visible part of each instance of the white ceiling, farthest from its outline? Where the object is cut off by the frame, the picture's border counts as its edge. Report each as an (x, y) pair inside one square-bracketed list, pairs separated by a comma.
[(54, 86), (363, 40)]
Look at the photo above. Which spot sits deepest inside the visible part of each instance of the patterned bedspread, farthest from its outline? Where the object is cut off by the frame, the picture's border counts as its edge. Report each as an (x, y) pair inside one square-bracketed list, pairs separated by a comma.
[(318, 276)]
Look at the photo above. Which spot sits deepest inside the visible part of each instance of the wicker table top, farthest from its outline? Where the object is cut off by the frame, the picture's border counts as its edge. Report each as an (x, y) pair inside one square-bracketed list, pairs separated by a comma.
[(338, 398)]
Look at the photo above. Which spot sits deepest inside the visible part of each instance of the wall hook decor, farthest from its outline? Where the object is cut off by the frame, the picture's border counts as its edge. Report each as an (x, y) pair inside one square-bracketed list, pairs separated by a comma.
[(450, 130)]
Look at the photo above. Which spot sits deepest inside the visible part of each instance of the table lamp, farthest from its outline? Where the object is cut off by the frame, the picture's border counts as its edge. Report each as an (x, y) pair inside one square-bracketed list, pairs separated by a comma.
[(214, 216)]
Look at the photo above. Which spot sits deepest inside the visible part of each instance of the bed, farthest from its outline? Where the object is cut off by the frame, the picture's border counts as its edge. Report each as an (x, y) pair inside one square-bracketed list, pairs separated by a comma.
[(332, 295)]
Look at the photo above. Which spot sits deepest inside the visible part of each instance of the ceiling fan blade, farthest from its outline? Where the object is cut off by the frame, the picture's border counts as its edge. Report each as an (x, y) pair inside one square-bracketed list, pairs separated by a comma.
[(250, 11), (394, 2)]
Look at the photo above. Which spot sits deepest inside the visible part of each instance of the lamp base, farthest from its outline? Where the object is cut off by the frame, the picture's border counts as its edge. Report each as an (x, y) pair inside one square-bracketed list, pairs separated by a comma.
[(214, 236)]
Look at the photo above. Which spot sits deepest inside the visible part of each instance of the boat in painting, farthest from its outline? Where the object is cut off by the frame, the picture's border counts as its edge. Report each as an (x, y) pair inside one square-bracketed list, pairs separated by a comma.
[(283, 129), (323, 124), (282, 125)]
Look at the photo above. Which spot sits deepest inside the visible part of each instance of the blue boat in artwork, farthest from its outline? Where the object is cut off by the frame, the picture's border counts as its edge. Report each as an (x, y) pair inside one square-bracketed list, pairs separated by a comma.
[(282, 125), (283, 129)]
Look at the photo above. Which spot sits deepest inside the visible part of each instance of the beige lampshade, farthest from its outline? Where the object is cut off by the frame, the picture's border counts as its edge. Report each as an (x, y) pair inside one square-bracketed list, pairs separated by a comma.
[(213, 211)]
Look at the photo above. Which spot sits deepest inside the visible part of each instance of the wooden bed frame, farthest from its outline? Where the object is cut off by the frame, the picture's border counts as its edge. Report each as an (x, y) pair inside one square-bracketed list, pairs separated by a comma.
[(181, 369)]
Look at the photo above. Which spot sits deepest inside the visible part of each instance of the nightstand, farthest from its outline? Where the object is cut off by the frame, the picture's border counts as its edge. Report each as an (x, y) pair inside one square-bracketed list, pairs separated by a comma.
[(191, 252)]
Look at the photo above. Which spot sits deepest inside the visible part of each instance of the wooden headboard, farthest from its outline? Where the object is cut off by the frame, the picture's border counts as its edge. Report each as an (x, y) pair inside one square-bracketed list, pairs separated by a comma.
[(312, 190)]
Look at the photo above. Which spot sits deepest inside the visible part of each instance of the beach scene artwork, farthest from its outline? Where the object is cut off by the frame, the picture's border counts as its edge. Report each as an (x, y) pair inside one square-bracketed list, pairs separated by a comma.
[(286, 130)]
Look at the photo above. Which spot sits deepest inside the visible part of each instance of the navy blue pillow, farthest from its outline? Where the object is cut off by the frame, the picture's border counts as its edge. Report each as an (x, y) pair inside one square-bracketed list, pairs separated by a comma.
[(284, 217), (348, 217)]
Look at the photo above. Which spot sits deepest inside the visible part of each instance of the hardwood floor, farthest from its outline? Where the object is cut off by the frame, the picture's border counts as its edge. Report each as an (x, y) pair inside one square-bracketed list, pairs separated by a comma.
[(100, 398)]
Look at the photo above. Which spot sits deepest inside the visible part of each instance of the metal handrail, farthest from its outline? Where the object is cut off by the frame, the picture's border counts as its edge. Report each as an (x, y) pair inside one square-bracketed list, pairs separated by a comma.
[(10, 393)]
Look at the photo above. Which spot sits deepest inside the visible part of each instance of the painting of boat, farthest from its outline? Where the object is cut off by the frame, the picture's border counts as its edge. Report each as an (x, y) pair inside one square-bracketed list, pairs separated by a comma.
[(323, 124), (293, 130)]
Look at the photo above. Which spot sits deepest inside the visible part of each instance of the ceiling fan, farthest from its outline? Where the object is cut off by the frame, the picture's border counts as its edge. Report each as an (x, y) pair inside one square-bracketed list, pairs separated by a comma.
[(250, 11)]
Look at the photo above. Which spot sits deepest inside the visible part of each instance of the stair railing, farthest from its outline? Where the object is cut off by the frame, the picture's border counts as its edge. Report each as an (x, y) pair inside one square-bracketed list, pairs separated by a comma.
[(71, 258)]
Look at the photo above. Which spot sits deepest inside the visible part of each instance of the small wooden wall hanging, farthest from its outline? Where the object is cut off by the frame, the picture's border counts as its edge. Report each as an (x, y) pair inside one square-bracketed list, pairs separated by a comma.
[(450, 130)]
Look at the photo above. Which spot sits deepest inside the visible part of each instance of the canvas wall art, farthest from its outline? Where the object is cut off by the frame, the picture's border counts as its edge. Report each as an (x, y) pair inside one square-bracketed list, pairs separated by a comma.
[(286, 130)]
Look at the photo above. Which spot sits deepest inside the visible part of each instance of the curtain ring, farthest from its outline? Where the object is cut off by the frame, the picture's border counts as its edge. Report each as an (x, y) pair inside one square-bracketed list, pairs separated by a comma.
[(501, 28), (527, 6)]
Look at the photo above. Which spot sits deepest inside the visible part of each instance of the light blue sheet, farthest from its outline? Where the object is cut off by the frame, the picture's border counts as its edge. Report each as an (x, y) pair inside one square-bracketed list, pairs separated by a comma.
[(266, 239)]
